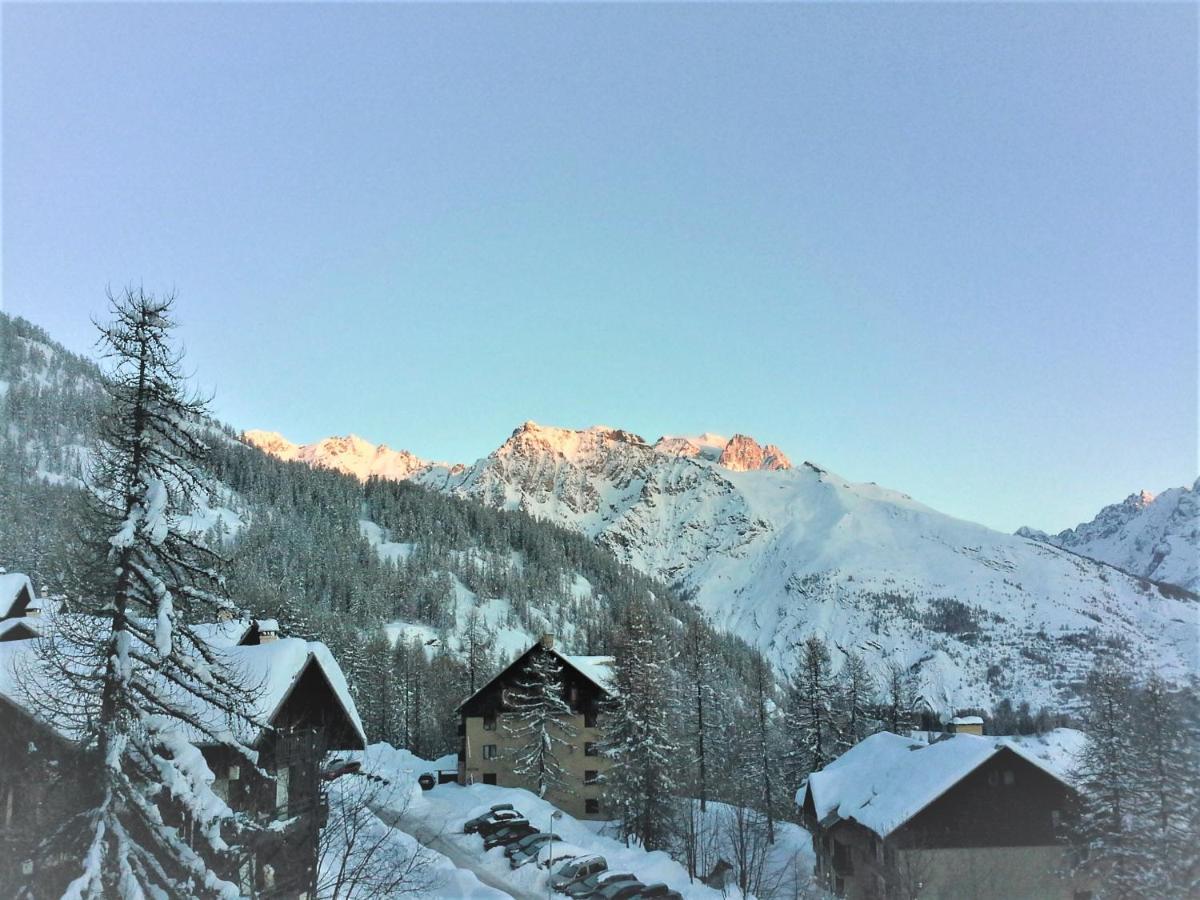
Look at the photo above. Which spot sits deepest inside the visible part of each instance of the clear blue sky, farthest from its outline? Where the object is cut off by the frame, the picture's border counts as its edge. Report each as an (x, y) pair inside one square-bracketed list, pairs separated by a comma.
[(951, 249)]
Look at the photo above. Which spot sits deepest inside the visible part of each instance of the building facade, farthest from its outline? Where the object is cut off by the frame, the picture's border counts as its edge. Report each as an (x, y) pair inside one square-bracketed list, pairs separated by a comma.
[(488, 747), (963, 816)]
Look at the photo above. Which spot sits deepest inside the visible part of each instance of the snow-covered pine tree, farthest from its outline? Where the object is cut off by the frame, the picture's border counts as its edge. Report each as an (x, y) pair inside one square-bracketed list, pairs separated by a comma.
[(1164, 770), (128, 678), (538, 720), (1105, 831), (810, 719), (700, 696), (855, 694), (640, 786)]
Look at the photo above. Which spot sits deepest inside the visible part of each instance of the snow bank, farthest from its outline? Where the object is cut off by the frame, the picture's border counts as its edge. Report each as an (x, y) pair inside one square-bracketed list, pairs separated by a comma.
[(436, 817)]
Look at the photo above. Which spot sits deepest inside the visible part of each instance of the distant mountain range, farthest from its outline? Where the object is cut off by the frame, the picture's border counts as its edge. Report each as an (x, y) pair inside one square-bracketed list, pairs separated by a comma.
[(1152, 536), (773, 553)]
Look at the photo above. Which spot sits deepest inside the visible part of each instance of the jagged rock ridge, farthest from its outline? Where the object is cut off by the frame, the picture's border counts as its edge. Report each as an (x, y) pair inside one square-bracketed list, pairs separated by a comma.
[(1151, 536)]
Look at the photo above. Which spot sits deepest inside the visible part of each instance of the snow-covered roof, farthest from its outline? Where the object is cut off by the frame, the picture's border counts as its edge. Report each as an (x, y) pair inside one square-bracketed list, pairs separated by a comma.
[(885, 780), (32, 624), (223, 634), (596, 669), (11, 584), (967, 720), (268, 625), (268, 671)]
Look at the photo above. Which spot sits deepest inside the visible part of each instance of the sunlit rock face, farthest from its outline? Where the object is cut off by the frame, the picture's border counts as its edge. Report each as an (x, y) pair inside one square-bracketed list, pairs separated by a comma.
[(350, 454)]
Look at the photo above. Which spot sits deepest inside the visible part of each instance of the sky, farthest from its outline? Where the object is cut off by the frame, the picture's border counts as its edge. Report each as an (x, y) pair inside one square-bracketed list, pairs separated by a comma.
[(947, 248)]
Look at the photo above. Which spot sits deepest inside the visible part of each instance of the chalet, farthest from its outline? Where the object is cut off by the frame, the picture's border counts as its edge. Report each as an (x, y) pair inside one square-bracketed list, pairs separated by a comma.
[(303, 710), (487, 750), (962, 816), (20, 609)]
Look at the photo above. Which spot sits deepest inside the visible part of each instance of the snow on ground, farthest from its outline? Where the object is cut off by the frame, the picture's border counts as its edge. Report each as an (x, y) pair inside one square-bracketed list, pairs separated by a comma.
[(388, 550), (436, 818), (358, 838)]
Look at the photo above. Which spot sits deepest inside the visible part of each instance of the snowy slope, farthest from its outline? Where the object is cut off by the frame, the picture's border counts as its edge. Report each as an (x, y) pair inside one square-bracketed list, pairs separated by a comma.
[(1154, 537), (776, 555)]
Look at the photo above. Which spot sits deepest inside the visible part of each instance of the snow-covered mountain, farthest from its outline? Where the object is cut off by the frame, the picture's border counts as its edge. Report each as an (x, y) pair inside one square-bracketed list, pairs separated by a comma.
[(1152, 536), (350, 454), (774, 553)]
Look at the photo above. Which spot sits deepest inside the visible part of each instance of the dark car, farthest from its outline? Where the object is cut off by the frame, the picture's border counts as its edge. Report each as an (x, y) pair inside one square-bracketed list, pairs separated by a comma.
[(497, 813), (621, 890), (494, 825), (507, 835), (658, 891), (588, 886)]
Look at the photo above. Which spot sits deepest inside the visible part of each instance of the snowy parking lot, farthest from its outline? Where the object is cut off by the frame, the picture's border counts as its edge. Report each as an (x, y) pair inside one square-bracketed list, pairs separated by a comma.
[(436, 818)]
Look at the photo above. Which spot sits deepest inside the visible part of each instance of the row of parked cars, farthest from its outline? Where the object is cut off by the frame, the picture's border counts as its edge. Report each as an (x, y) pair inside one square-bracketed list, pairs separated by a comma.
[(573, 871)]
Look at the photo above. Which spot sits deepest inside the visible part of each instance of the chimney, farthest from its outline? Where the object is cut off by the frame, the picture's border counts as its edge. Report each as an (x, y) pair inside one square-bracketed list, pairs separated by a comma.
[(547, 641), (967, 725), (268, 630)]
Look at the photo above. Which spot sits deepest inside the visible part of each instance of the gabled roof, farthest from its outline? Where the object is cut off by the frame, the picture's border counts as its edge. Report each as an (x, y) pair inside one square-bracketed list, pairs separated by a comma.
[(22, 629), (12, 586), (269, 671), (885, 780), (596, 669)]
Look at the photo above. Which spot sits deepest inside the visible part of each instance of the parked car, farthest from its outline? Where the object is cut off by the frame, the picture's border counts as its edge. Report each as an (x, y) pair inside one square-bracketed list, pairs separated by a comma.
[(588, 886), (617, 890), (555, 856), (494, 825), (497, 813), (505, 836), (526, 849), (577, 870), (658, 891)]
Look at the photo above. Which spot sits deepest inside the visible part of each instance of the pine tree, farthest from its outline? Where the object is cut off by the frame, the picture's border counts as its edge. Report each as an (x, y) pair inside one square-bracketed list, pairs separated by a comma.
[(900, 700), (810, 718), (538, 719), (855, 693), (128, 677), (640, 785), (700, 695), (477, 641), (1105, 832)]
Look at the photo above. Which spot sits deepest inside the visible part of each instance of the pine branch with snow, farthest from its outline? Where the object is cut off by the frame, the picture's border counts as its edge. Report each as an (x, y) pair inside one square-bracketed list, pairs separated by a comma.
[(123, 674), (538, 719)]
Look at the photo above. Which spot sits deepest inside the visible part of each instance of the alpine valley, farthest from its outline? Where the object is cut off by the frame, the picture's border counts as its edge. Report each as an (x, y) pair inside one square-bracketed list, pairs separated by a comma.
[(773, 552), (552, 529)]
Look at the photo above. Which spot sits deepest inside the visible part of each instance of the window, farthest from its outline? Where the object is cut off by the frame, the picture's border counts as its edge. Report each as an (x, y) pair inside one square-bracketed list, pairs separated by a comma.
[(1055, 818), (591, 748), (591, 776), (283, 779), (490, 751), (1009, 776), (489, 722), (591, 807), (993, 778), (589, 719), (489, 777)]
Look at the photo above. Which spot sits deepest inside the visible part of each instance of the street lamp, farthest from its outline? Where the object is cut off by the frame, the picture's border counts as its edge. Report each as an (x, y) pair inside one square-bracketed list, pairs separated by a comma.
[(557, 814)]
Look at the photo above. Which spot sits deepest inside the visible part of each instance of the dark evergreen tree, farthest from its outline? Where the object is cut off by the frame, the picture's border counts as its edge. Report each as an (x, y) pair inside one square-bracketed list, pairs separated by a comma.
[(538, 720), (129, 677), (641, 782)]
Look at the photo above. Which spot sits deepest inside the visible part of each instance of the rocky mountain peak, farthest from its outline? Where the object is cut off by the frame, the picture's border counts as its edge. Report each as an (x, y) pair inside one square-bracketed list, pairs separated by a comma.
[(743, 454)]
